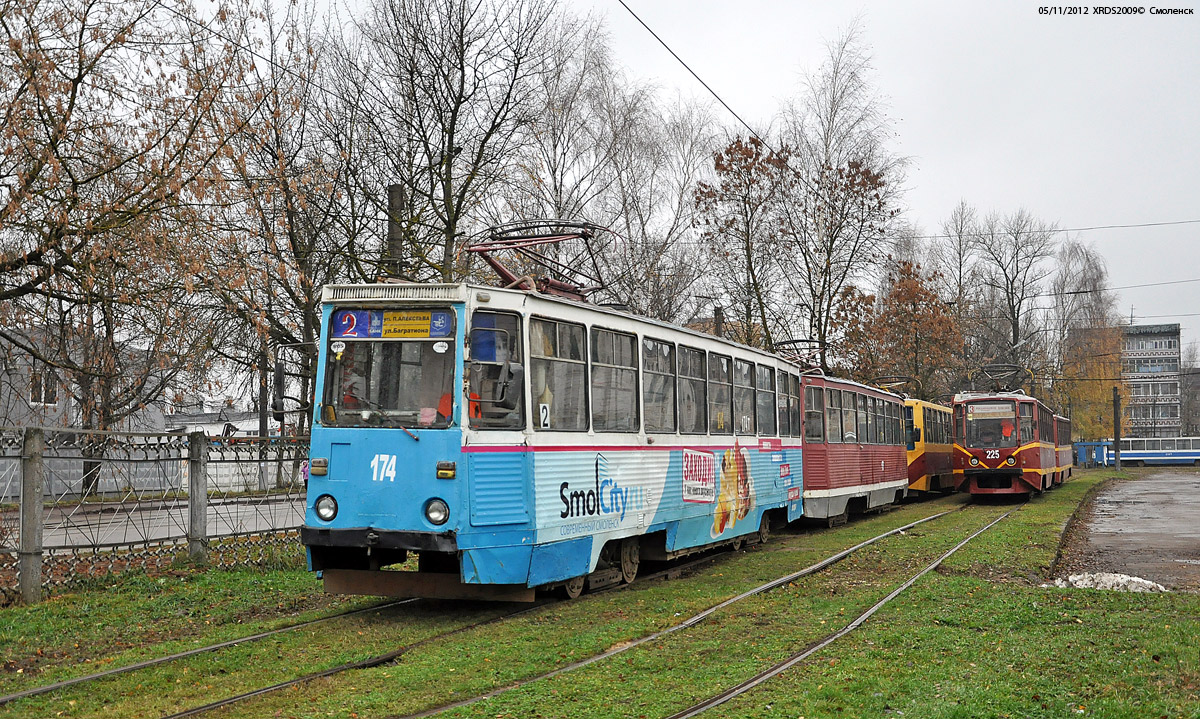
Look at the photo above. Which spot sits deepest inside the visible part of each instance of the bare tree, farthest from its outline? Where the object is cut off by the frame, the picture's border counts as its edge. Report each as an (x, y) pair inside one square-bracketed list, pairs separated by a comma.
[(448, 85), (654, 266), (843, 188), (738, 214), (1014, 253), (954, 261)]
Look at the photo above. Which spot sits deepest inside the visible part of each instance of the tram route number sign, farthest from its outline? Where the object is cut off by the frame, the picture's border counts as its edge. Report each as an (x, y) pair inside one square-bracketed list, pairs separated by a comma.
[(392, 324)]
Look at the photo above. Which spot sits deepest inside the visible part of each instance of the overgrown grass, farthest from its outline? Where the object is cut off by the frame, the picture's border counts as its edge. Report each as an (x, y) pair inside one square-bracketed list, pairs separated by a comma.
[(977, 639), (122, 619), (483, 658)]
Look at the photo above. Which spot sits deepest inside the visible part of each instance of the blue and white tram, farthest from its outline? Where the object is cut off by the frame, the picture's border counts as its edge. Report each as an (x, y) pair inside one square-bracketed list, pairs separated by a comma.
[(1165, 451), (516, 441)]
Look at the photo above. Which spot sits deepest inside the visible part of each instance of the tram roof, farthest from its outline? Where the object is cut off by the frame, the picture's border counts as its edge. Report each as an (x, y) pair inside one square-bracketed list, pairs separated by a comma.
[(389, 292)]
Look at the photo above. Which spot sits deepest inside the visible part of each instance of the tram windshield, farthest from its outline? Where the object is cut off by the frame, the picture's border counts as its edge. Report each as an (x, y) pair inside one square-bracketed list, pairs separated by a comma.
[(390, 369), (991, 424)]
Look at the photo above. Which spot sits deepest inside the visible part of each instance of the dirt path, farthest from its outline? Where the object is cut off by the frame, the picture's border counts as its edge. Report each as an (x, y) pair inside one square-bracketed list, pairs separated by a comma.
[(1149, 528)]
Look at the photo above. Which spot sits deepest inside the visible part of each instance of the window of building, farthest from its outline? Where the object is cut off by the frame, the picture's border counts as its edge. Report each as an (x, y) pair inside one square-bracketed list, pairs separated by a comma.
[(693, 402), (558, 375), (43, 384), (720, 395), (614, 382)]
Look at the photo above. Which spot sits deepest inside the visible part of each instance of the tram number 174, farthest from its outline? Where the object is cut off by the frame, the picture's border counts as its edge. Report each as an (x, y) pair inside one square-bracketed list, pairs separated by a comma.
[(383, 466)]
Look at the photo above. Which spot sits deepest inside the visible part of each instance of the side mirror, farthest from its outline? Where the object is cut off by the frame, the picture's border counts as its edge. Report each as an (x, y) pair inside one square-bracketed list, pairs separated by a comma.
[(511, 386), (916, 435)]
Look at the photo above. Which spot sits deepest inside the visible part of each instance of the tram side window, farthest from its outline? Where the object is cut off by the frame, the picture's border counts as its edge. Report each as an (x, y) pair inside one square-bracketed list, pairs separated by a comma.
[(1168, 445), (720, 393), (863, 401), (658, 395), (849, 419), (893, 416), (614, 382), (1138, 445), (872, 428), (765, 400), (558, 375), (1026, 421), (693, 405), (833, 414), (880, 422), (743, 397), (794, 407), (814, 415), (785, 419), (957, 433), (495, 374)]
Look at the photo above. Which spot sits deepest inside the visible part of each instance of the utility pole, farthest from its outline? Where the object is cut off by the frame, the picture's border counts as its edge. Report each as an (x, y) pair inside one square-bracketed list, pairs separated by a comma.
[(1117, 427)]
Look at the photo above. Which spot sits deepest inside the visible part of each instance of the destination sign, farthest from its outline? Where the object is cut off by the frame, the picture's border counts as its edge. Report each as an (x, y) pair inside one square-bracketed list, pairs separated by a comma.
[(990, 410), (393, 324)]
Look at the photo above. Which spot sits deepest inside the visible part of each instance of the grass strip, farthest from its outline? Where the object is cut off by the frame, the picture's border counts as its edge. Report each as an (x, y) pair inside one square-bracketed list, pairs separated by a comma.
[(549, 638)]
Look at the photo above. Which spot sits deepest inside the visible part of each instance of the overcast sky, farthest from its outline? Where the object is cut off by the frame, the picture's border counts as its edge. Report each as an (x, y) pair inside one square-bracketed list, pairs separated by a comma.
[(1083, 120)]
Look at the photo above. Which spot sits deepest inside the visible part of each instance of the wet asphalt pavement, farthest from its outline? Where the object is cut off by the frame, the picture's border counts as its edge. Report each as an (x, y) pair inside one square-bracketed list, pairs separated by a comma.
[(1148, 528)]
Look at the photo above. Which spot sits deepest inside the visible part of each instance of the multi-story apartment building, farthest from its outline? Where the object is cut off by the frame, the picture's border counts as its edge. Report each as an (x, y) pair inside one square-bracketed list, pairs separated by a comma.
[(1150, 371)]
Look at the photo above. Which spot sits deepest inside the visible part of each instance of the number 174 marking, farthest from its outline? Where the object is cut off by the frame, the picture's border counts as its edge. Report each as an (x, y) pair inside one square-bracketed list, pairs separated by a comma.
[(383, 466)]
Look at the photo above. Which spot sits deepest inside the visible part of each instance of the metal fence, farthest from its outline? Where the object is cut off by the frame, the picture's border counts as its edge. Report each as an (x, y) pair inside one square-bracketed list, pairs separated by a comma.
[(77, 504)]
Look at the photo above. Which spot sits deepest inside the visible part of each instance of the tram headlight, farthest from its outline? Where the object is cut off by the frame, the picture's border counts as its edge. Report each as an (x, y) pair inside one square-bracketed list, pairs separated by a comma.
[(1012, 460), (436, 511), (326, 507), (974, 461)]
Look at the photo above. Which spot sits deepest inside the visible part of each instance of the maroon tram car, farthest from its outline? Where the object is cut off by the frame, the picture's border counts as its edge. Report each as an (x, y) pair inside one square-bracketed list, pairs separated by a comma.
[(1008, 443), (854, 449)]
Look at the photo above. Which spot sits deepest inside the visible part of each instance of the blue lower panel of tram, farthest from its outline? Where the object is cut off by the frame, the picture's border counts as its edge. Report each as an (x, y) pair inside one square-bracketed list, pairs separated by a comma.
[(520, 516)]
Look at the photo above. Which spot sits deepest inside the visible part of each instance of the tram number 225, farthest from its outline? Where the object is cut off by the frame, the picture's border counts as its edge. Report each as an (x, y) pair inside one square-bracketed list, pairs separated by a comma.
[(383, 466), (991, 454)]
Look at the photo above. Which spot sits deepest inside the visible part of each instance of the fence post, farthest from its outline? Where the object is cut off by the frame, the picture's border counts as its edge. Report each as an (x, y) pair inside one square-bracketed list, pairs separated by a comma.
[(29, 552), (197, 497)]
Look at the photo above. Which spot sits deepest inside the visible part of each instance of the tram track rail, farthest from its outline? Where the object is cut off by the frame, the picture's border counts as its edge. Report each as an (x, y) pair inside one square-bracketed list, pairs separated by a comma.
[(691, 621), (780, 667), (66, 683), (396, 654)]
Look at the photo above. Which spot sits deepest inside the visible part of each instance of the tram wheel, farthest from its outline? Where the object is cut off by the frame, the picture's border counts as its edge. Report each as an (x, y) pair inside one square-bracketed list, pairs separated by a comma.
[(631, 558), (764, 529), (572, 588)]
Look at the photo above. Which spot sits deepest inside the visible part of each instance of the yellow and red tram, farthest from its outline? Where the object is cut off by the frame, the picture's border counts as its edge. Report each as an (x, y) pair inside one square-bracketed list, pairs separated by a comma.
[(930, 444), (1008, 443)]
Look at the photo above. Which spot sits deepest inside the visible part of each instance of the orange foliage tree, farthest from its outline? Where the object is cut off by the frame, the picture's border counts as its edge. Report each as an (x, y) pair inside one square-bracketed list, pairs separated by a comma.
[(909, 331)]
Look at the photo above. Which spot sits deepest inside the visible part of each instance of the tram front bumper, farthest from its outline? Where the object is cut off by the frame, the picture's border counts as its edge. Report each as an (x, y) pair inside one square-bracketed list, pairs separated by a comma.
[(379, 538)]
